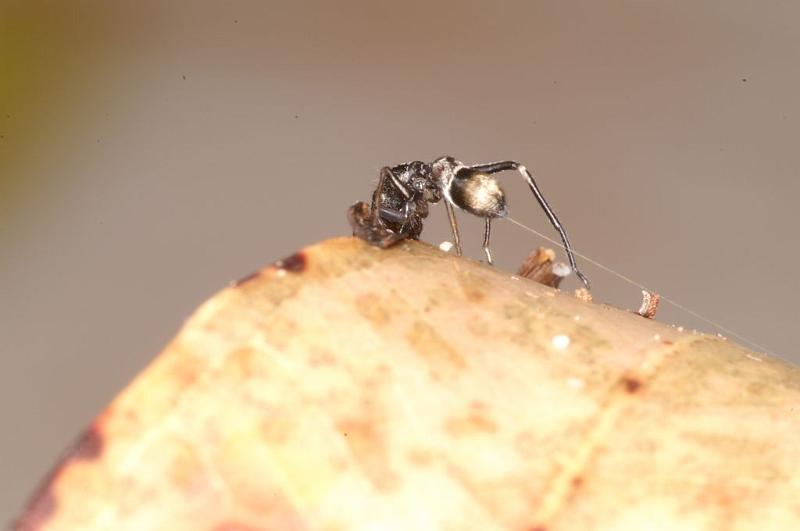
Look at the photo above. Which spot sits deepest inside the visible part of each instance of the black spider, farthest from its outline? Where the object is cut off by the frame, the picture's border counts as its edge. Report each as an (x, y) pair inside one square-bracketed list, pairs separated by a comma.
[(400, 202)]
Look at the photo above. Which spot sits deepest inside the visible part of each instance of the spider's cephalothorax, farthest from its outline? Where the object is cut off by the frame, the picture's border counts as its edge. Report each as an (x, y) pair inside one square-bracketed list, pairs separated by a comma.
[(400, 201)]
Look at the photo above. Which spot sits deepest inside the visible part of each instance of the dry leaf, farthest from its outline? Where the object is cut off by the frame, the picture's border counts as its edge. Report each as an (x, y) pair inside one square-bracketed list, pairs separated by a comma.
[(352, 388)]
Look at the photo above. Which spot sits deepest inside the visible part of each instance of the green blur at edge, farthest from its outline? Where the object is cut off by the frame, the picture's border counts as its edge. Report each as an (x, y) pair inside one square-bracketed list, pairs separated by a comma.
[(44, 46)]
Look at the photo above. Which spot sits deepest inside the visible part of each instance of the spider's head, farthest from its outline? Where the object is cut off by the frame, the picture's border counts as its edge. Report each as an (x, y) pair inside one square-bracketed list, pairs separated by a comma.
[(419, 177)]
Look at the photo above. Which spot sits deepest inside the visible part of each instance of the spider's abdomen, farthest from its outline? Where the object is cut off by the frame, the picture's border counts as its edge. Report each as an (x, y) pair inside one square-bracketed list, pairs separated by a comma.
[(479, 194)]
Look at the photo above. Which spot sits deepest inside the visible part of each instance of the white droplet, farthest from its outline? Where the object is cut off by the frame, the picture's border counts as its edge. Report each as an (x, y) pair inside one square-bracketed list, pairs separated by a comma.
[(577, 318), (754, 358), (446, 246), (561, 270), (561, 341), (281, 273), (657, 337), (575, 383)]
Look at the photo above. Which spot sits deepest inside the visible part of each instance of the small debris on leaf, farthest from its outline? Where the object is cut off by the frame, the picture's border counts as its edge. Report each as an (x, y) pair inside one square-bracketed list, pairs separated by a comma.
[(583, 294), (649, 305), (540, 267)]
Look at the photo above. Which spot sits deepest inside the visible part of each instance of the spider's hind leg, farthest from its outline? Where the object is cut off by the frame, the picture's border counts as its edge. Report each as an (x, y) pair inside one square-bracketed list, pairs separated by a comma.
[(487, 233)]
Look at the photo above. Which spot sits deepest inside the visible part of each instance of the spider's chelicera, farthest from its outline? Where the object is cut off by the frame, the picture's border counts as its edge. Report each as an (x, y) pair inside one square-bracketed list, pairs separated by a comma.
[(400, 202)]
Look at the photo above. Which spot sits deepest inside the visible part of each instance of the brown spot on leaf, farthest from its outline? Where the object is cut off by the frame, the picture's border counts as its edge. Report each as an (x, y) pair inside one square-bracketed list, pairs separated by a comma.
[(235, 526), (631, 384), (41, 507), (321, 357), (474, 422), (473, 294), (370, 307), (369, 448), (278, 429), (185, 468), (420, 457), (183, 374), (474, 287), (241, 364), (244, 280), (88, 446), (296, 263), (429, 344), (43, 503)]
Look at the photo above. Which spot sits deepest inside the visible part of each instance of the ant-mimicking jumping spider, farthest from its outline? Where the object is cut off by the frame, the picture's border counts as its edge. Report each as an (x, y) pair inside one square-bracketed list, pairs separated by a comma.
[(400, 202)]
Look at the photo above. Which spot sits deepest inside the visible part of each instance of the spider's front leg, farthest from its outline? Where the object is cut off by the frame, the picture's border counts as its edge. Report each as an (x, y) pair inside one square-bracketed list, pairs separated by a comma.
[(368, 226), (369, 222)]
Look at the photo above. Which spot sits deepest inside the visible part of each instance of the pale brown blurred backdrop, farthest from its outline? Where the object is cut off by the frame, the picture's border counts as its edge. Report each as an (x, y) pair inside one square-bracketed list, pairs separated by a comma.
[(152, 152)]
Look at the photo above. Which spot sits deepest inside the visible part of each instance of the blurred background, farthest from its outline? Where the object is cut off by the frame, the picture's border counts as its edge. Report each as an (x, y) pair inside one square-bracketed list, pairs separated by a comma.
[(152, 152)]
